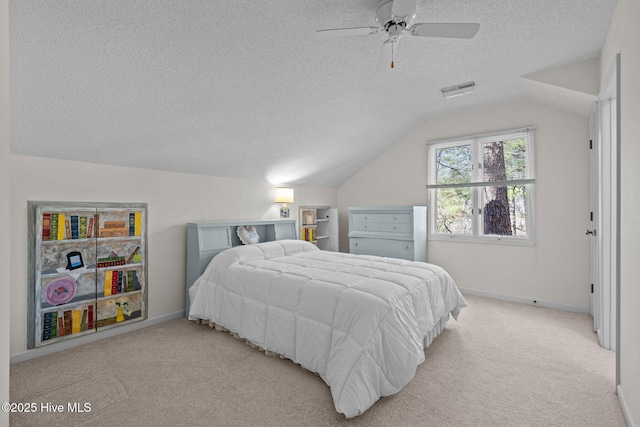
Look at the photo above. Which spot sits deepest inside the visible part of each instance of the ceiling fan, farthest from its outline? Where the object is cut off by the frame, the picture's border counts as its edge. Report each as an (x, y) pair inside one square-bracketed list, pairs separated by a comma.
[(396, 17)]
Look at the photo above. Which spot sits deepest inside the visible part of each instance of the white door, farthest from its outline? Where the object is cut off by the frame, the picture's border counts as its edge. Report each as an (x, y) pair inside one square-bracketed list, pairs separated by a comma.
[(602, 232)]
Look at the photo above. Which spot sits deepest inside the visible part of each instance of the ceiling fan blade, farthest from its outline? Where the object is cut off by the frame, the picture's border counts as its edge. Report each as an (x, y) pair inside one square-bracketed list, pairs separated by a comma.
[(386, 61), (402, 9), (346, 32), (457, 31)]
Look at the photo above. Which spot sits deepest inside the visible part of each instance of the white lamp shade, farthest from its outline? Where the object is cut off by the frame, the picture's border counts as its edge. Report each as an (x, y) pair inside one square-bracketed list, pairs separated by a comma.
[(284, 195)]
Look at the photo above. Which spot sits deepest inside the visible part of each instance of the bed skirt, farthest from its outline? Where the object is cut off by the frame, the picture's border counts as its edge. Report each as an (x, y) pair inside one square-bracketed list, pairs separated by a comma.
[(426, 342)]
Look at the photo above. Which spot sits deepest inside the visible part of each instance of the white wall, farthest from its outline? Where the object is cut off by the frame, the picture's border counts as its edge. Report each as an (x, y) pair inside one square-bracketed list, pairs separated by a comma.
[(4, 208), (556, 270), (173, 200), (623, 37)]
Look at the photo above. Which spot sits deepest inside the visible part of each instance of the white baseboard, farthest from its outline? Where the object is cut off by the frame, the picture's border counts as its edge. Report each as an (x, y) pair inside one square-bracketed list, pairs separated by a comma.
[(547, 304), (86, 339), (625, 408)]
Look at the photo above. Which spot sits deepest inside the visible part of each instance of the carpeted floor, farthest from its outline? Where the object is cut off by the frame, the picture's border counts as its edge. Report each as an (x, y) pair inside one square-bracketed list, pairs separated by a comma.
[(501, 364)]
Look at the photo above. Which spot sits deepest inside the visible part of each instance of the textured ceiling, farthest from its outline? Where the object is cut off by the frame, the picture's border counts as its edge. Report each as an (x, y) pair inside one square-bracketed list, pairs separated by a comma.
[(244, 89)]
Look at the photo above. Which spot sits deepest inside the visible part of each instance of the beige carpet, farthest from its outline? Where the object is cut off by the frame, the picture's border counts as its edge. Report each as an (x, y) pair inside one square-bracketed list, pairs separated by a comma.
[(501, 364)]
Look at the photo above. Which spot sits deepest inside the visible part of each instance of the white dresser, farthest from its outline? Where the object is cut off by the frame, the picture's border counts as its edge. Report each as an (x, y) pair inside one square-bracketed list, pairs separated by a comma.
[(390, 231)]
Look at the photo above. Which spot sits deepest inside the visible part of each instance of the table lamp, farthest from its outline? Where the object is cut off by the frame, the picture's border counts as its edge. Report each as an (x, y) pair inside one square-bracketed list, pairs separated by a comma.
[(284, 195)]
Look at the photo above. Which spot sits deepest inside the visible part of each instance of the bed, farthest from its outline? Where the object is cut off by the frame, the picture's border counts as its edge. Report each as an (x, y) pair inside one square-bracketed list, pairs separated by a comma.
[(360, 322)]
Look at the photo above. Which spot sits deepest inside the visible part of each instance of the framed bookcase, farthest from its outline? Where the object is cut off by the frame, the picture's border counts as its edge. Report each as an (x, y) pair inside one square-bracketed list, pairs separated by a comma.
[(87, 268)]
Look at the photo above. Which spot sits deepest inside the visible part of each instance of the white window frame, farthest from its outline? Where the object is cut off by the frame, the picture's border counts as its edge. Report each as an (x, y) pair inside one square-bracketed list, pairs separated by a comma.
[(476, 185)]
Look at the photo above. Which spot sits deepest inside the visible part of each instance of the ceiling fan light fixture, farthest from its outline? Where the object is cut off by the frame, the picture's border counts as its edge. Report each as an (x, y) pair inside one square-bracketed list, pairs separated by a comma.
[(458, 90), (395, 17)]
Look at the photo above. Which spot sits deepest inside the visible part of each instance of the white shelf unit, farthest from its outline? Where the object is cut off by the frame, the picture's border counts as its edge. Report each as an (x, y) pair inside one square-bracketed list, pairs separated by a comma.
[(319, 225)]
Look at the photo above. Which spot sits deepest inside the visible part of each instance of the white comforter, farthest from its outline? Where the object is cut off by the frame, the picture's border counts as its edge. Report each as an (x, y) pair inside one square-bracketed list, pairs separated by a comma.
[(360, 322)]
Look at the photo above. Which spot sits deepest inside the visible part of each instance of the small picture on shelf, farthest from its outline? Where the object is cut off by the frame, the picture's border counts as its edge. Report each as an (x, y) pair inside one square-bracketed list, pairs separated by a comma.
[(74, 260), (60, 291), (309, 218)]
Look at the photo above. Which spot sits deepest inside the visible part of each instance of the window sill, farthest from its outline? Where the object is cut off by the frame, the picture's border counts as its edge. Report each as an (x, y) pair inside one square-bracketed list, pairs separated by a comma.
[(493, 240)]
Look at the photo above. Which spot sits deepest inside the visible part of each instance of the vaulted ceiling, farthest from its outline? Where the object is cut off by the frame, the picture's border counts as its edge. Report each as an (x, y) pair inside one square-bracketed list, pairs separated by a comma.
[(244, 88)]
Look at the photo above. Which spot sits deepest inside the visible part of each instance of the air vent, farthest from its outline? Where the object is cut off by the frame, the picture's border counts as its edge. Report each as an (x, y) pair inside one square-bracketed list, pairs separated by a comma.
[(458, 90)]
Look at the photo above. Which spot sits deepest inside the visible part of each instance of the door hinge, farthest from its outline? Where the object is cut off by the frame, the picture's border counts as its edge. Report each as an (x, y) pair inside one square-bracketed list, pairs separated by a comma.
[(591, 144), (592, 288), (591, 216)]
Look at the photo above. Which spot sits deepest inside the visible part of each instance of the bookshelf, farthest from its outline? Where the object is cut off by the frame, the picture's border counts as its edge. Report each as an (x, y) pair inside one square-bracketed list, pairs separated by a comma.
[(319, 225), (87, 268)]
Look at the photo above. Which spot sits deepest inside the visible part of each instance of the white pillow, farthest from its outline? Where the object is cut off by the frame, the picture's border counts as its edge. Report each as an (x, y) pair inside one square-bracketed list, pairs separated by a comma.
[(248, 234)]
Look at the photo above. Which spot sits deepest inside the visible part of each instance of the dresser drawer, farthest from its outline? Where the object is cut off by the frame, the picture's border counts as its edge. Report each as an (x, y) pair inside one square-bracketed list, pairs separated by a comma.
[(366, 217), (382, 247), (389, 227), (366, 226), (396, 218)]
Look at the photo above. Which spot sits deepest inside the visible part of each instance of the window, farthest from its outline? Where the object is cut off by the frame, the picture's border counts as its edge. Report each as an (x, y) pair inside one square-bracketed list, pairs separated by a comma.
[(481, 187)]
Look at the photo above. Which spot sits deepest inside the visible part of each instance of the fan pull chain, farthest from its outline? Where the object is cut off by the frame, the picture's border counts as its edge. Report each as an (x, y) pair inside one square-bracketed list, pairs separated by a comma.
[(392, 54)]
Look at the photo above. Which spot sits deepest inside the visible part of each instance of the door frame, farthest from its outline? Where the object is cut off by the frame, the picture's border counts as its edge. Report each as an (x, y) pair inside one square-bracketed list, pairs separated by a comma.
[(604, 130)]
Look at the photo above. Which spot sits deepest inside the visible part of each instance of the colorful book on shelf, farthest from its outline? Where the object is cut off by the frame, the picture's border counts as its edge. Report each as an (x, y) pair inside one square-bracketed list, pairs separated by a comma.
[(138, 227), (60, 326), (46, 326), (46, 226), (61, 226), (96, 221), (114, 282), (308, 234), (111, 261), (136, 283), (107, 283), (75, 227), (130, 281), (54, 324), (114, 229), (83, 321), (90, 228), (67, 323), (77, 321), (132, 224), (82, 233), (67, 228), (133, 254), (119, 281), (54, 226), (90, 319)]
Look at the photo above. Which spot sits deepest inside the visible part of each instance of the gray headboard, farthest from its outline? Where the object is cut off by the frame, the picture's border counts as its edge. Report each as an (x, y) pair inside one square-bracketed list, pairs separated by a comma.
[(207, 239)]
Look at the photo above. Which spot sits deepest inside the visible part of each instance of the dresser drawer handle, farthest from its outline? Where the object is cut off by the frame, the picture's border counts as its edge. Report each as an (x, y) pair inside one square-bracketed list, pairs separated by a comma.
[(355, 244)]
